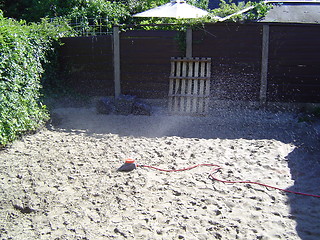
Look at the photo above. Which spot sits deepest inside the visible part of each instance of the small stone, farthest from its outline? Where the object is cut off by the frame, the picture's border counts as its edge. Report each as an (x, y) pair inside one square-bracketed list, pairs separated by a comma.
[(23, 209), (105, 105), (176, 193), (141, 108), (218, 212)]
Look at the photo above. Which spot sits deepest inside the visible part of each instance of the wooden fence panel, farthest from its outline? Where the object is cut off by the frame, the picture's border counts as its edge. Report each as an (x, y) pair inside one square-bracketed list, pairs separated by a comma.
[(87, 64), (145, 62), (235, 50), (294, 72)]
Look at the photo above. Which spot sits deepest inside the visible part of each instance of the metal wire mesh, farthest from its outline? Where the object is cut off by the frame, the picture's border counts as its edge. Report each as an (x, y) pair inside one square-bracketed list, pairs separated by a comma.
[(91, 26)]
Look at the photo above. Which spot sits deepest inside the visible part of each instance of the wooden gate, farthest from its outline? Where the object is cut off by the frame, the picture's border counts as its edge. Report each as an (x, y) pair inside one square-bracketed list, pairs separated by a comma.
[(189, 87)]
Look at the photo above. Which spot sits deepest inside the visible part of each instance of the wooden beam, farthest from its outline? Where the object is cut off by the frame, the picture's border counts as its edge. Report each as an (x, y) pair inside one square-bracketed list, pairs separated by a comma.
[(264, 65), (116, 62)]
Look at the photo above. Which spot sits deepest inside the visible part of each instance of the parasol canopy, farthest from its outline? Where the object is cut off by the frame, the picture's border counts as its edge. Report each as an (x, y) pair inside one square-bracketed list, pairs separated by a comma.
[(174, 9)]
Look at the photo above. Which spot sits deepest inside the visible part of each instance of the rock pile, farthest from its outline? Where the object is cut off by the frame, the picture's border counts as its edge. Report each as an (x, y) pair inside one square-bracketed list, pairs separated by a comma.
[(123, 105)]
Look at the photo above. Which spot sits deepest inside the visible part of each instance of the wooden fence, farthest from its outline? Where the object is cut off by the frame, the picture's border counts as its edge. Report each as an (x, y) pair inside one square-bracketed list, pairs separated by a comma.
[(245, 57), (294, 63), (145, 62), (235, 51), (87, 65)]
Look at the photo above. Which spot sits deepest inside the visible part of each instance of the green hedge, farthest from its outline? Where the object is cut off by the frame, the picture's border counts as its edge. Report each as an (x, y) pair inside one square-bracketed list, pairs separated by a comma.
[(23, 51)]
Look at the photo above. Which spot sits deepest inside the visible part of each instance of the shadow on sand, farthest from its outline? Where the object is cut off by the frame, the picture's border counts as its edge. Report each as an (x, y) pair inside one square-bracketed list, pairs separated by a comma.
[(304, 164)]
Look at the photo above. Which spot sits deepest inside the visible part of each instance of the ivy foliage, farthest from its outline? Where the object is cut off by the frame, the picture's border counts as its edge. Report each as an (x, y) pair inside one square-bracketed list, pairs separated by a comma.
[(85, 12), (113, 13), (259, 11), (23, 50), (34, 10)]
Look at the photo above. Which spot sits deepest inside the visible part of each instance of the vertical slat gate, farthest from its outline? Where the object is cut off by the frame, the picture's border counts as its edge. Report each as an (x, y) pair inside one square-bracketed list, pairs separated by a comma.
[(189, 87)]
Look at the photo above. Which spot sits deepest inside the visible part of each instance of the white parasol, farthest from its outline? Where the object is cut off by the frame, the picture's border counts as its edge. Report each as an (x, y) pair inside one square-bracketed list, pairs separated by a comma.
[(174, 9)]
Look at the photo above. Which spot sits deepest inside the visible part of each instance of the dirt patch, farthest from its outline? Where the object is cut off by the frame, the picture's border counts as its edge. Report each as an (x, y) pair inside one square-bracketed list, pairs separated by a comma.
[(62, 183)]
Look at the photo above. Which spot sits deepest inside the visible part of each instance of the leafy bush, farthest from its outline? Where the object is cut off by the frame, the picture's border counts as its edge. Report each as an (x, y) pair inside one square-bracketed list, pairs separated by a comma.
[(23, 50), (225, 9), (260, 11), (112, 12), (86, 12)]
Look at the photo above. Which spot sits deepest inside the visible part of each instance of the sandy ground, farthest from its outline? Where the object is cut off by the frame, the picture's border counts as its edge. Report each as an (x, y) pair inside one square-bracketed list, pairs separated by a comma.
[(62, 183)]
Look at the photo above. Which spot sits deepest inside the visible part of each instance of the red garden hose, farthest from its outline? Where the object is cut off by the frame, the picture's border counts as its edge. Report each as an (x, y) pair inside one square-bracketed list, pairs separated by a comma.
[(217, 167)]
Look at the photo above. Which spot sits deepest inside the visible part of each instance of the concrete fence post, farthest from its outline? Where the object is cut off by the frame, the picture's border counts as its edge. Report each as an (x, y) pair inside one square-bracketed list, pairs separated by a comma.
[(189, 43), (264, 65), (116, 62)]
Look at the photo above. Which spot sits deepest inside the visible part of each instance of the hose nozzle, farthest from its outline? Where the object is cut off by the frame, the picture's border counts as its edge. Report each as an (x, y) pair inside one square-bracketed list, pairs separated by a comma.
[(128, 166)]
